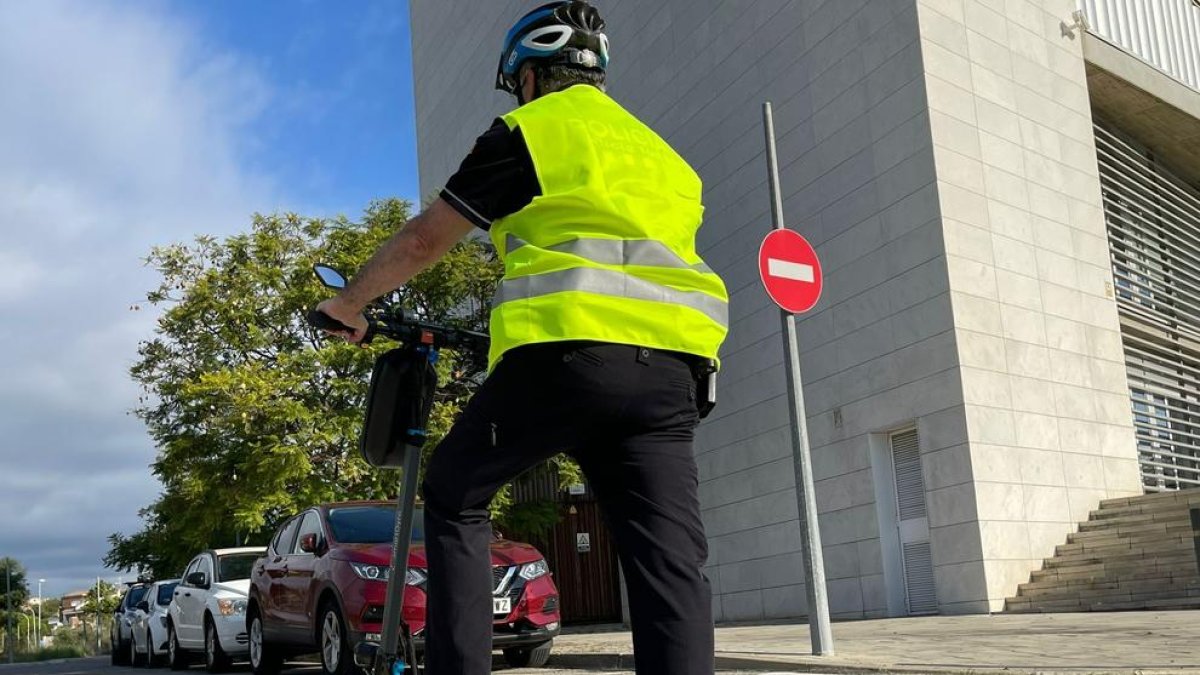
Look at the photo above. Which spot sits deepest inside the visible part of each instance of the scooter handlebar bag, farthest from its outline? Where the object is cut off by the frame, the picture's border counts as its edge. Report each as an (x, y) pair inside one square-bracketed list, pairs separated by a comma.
[(398, 405)]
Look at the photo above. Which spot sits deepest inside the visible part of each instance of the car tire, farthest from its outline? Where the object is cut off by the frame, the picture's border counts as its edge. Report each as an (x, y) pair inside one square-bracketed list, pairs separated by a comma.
[(114, 652), (120, 651), (152, 659), (529, 657), (265, 658), (176, 658), (215, 658), (337, 656), (135, 660)]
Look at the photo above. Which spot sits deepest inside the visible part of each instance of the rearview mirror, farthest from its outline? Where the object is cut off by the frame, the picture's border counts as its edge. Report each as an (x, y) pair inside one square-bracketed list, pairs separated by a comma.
[(330, 277), (144, 606), (308, 543), (197, 579)]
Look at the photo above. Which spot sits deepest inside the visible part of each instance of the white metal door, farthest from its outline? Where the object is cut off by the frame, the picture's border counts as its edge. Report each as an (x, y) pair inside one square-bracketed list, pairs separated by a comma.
[(912, 523)]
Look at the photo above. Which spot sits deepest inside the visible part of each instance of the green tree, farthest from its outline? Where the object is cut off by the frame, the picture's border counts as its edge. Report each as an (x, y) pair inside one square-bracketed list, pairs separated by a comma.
[(103, 599), (255, 414), (19, 595), (12, 601)]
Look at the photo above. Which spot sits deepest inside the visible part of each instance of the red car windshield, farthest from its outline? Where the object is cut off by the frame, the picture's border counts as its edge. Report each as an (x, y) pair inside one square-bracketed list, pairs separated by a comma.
[(370, 524)]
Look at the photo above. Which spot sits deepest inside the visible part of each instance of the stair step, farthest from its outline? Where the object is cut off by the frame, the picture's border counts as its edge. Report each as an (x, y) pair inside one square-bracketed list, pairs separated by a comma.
[(1150, 574), (1161, 530), (1131, 556), (1174, 585), (1139, 500), (1179, 563), (1101, 529), (1177, 502), (1111, 602), (1179, 517)]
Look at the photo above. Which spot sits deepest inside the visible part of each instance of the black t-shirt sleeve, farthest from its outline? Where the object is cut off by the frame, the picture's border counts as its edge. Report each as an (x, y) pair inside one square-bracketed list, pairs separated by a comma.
[(496, 180)]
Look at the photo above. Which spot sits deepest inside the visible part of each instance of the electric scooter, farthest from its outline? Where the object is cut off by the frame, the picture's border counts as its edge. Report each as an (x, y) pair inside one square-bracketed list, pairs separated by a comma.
[(398, 406)]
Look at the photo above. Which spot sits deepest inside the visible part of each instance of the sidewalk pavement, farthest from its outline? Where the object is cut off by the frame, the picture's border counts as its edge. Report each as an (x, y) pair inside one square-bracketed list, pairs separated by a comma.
[(1111, 642)]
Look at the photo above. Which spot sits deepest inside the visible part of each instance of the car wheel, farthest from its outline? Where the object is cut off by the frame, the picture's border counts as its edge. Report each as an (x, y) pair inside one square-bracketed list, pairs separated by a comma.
[(265, 658), (134, 659), (175, 656), (215, 658), (120, 651), (114, 652), (151, 657), (336, 656), (528, 657)]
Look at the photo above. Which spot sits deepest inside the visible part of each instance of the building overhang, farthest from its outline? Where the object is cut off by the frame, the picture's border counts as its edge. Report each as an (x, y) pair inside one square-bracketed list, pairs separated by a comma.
[(1159, 111)]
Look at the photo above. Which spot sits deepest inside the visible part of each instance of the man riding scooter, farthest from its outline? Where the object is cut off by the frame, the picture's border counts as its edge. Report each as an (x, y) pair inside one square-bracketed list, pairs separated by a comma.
[(604, 329)]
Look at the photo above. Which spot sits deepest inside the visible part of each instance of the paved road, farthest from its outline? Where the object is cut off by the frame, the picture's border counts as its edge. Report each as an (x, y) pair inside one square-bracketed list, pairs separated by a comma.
[(100, 666)]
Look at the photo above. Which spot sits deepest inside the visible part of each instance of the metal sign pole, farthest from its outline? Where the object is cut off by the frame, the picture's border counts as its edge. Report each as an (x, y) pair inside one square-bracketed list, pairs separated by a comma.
[(810, 533)]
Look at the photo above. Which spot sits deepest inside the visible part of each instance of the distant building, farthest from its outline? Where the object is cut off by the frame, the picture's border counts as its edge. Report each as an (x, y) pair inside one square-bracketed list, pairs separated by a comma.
[(71, 612)]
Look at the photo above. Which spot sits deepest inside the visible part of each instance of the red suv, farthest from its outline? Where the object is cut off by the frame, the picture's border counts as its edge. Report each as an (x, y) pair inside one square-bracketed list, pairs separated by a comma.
[(322, 583)]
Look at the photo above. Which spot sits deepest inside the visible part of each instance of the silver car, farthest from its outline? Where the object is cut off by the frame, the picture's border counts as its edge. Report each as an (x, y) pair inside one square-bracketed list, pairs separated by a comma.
[(122, 623), (149, 644)]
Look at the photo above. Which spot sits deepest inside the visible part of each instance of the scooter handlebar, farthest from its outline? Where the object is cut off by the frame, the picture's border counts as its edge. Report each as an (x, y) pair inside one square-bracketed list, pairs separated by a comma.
[(402, 329), (322, 321)]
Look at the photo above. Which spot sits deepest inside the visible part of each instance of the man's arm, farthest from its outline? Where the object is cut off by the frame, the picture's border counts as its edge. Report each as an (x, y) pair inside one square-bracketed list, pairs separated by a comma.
[(420, 243)]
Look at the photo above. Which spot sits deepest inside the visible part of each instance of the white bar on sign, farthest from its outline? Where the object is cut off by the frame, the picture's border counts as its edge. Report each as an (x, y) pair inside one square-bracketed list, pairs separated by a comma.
[(790, 270)]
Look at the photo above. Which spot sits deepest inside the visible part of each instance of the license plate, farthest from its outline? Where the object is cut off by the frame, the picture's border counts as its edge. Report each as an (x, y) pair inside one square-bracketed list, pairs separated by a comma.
[(501, 606)]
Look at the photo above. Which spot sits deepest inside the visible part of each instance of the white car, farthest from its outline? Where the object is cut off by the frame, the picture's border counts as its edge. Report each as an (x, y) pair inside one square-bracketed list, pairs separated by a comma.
[(149, 644), (208, 609)]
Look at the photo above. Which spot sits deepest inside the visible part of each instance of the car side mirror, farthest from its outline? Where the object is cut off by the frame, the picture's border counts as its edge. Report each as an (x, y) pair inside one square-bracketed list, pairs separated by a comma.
[(144, 606), (309, 543), (197, 579)]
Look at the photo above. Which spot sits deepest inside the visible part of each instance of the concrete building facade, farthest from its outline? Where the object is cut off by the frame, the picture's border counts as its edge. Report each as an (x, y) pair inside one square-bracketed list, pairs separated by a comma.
[(966, 369)]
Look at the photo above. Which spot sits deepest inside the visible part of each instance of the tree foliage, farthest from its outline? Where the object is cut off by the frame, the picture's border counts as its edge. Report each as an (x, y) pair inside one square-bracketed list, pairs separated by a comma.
[(19, 595), (102, 599), (255, 414), (11, 601)]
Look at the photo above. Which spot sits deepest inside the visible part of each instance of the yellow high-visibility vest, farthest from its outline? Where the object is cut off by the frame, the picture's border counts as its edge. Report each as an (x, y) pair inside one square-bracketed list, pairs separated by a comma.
[(607, 252)]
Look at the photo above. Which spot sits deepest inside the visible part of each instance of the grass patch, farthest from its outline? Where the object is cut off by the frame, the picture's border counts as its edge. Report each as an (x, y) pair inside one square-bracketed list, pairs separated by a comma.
[(50, 654)]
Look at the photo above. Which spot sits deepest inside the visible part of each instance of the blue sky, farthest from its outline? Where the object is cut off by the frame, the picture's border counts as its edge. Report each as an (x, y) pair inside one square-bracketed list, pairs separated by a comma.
[(131, 123), (339, 128)]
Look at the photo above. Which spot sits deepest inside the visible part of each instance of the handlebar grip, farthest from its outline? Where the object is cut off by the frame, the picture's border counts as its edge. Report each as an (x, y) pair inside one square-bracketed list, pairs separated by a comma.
[(322, 321)]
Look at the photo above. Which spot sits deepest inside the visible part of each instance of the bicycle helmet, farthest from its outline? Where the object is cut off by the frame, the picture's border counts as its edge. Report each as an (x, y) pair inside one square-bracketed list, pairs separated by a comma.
[(565, 32)]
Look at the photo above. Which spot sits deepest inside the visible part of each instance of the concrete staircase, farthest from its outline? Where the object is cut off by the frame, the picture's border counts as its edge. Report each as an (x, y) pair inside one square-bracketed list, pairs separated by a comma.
[(1132, 553)]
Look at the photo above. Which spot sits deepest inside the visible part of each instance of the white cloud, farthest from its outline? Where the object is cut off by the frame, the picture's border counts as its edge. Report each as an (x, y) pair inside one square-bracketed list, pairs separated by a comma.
[(119, 129), (18, 275)]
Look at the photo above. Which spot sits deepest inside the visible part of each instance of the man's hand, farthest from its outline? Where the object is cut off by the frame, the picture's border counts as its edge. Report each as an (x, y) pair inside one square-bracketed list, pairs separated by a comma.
[(336, 309)]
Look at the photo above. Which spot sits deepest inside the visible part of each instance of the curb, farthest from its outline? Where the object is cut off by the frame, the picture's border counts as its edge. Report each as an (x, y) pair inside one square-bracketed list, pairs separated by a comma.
[(768, 662), (53, 662)]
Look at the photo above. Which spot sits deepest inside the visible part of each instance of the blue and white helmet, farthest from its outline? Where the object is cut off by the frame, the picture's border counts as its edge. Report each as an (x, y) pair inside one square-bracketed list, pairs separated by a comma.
[(566, 32)]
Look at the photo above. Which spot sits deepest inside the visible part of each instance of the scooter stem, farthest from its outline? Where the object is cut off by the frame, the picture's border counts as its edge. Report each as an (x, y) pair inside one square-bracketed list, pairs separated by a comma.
[(401, 538)]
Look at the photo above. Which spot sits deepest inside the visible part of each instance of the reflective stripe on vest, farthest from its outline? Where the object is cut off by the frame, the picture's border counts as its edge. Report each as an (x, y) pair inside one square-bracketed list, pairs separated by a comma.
[(611, 283), (644, 252)]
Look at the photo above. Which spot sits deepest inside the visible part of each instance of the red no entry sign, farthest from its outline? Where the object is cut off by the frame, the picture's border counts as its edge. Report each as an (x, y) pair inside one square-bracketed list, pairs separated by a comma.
[(790, 271)]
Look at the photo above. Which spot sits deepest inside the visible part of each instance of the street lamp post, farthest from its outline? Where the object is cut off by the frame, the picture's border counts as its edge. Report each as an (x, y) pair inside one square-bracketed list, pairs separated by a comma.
[(28, 628)]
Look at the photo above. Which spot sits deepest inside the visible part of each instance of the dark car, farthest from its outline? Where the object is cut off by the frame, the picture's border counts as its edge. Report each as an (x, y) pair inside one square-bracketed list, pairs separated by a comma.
[(322, 583), (121, 634)]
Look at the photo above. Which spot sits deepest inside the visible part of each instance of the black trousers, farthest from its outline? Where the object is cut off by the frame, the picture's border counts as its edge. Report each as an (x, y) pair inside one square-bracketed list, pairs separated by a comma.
[(628, 416)]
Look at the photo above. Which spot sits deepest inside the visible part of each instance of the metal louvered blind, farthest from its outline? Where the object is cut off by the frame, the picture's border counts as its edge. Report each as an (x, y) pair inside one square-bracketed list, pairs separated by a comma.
[(918, 578), (1153, 222), (1163, 33), (910, 485)]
